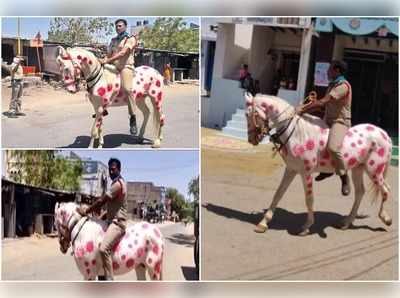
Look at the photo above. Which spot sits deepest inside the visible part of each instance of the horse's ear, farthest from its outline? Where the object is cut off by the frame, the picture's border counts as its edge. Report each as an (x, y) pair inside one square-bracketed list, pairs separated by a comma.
[(60, 51), (249, 98), (56, 206)]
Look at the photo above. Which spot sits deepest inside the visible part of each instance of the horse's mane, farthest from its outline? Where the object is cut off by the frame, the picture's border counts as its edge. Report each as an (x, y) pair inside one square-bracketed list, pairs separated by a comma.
[(284, 105)]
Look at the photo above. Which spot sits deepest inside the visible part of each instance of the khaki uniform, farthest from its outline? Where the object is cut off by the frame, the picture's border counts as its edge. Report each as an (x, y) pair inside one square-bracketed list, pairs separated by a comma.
[(17, 87), (125, 65), (117, 216), (338, 118)]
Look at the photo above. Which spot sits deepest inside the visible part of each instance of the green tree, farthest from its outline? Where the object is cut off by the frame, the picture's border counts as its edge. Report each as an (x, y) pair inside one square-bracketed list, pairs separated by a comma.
[(170, 34), (194, 188), (43, 168), (178, 203), (79, 30)]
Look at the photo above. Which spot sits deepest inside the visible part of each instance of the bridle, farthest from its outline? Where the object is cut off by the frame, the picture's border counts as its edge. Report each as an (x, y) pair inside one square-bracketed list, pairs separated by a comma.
[(66, 232), (91, 80), (262, 132)]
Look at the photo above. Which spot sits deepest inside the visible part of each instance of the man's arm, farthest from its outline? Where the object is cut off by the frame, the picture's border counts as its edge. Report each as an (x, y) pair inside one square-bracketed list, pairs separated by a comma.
[(129, 46), (97, 204), (317, 104)]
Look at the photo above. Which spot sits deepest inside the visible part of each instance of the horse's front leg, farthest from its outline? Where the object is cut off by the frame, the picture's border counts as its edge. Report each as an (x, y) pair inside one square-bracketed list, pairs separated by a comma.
[(287, 179), (96, 132), (309, 197)]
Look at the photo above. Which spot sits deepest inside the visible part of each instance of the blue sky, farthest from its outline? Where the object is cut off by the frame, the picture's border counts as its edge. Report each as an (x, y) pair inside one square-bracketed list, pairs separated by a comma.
[(30, 26), (169, 168)]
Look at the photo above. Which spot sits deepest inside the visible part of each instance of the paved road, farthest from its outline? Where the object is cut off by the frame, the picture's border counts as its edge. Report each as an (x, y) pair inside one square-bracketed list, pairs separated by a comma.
[(57, 119), (40, 259), (238, 185)]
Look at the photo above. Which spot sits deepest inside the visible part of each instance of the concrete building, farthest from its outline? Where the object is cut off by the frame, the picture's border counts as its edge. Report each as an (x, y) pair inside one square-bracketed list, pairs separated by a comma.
[(370, 48), (270, 46), (143, 193)]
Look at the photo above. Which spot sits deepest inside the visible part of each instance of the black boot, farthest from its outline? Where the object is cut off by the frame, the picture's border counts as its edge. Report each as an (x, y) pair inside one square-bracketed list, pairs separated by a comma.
[(132, 125), (345, 185), (323, 176)]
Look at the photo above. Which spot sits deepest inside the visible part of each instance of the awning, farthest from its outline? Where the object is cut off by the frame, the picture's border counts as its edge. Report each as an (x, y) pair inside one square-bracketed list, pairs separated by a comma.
[(359, 26)]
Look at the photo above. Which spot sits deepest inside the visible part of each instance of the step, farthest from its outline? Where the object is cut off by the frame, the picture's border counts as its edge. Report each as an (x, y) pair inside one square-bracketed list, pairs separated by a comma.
[(239, 117), (235, 132), (237, 124)]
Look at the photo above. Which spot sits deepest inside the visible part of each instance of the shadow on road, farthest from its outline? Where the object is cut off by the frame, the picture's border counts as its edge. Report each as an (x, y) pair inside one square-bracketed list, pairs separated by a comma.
[(110, 141), (189, 273), (182, 239), (289, 221)]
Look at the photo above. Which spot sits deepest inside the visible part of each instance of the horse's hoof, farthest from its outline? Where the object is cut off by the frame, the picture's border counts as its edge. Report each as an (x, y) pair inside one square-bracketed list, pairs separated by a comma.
[(156, 144), (260, 228), (304, 232), (386, 220)]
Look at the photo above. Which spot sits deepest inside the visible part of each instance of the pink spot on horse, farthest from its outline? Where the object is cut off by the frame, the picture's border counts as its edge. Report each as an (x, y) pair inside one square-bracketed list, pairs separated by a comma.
[(137, 82), (156, 249), (101, 91), (310, 145), (89, 246), (150, 261), (130, 263), (371, 162), (140, 252), (86, 263), (123, 257), (322, 163), (115, 265), (346, 155), (145, 226), (79, 57), (109, 87), (139, 94), (309, 192), (94, 262), (88, 271), (370, 128), (159, 96), (309, 185), (116, 85), (381, 152), (85, 59), (362, 152), (90, 62), (158, 84), (157, 267), (157, 233), (321, 143), (380, 168), (353, 145), (307, 169), (359, 142), (298, 150), (79, 252), (352, 161), (153, 91), (306, 161), (349, 134), (141, 79), (116, 247), (325, 154)]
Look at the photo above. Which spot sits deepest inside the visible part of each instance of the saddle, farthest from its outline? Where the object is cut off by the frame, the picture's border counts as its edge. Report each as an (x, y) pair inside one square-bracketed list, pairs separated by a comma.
[(111, 68)]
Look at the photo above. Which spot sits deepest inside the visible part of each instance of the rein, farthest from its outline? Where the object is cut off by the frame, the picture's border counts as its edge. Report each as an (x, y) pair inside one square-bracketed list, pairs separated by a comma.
[(275, 138)]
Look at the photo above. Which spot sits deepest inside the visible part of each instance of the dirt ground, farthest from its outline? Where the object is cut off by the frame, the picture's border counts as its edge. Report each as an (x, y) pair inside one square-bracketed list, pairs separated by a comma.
[(238, 182), (57, 119)]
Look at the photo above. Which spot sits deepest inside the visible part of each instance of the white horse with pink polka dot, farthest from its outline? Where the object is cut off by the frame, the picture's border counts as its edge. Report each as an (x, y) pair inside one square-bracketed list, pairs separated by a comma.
[(104, 90), (141, 248), (365, 149)]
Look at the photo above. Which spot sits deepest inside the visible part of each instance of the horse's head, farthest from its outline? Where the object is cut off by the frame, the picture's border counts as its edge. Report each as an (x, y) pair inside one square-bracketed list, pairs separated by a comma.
[(257, 121), (63, 214), (70, 69)]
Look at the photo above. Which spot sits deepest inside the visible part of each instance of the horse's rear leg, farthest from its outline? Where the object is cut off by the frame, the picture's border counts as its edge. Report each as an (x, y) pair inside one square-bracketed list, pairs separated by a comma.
[(156, 121), (140, 272), (141, 104), (358, 182), (287, 179), (377, 172)]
